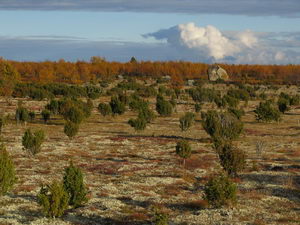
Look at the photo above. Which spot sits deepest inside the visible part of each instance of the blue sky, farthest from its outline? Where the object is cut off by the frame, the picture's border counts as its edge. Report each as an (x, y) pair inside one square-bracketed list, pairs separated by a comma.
[(117, 30)]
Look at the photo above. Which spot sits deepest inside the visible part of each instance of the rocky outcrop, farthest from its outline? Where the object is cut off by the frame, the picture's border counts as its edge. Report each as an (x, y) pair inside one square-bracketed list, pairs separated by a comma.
[(216, 72)]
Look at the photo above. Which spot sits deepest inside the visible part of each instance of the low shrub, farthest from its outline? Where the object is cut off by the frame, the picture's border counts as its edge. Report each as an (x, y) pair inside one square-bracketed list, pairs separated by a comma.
[(53, 199), (266, 111), (186, 121), (104, 109), (183, 149), (220, 190), (7, 171), (32, 141), (71, 129), (74, 185)]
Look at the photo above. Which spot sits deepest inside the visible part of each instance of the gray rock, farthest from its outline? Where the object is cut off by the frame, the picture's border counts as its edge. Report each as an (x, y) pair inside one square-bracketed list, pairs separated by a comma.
[(216, 72)]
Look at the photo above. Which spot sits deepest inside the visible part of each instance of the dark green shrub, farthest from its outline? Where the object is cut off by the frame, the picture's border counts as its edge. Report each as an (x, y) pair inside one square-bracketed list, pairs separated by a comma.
[(31, 116), (295, 100), (231, 101), (266, 111), (220, 102), (222, 127), (164, 108), (53, 199), (238, 113), (22, 115), (104, 109), (160, 218), (32, 142), (162, 90), (7, 171), (93, 91), (183, 149), (138, 124), (239, 94), (233, 160), (204, 94), (146, 114), (71, 129), (186, 121), (197, 107), (136, 103), (283, 105), (2, 123), (53, 106), (46, 115), (220, 190), (117, 106), (74, 115), (74, 185)]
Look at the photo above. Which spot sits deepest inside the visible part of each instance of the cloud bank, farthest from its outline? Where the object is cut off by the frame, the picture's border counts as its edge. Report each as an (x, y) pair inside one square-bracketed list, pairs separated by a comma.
[(286, 8), (187, 42), (212, 45)]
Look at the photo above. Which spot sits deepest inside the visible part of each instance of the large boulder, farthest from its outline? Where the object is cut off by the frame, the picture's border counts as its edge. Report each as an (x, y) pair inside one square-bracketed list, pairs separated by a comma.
[(216, 72)]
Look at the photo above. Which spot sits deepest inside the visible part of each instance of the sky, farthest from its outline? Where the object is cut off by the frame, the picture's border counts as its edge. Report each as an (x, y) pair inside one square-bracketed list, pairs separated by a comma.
[(230, 31)]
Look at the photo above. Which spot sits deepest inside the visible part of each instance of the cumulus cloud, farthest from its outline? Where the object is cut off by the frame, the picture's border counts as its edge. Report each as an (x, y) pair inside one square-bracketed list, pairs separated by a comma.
[(208, 40), (211, 44), (286, 8)]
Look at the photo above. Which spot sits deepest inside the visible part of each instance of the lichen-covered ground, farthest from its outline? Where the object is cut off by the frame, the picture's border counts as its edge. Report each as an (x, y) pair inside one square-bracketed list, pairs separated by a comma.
[(129, 174)]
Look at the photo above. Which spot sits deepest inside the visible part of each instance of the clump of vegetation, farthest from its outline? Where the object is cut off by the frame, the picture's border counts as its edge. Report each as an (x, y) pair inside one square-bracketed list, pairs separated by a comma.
[(146, 114), (283, 105), (238, 113), (22, 115), (138, 124), (46, 115), (32, 141), (71, 129), (104, 109), (266, 111), (32, 116), (233, 160), (74, 115), (7, 171), (186, 121), (220, 190), (183, 149), (117, 106), (74, 185), (197, 107), (160, 218), (53, 199), (222, 127), (163, 107)]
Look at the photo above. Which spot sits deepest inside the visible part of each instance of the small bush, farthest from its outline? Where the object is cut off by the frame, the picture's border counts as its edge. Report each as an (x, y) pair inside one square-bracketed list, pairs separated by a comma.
[(160, 218), (46, 115), (71, 129), (32, 142), (238, 113), (117, 106), (74, 186), (22, 115), (267, 112), (146, 114), (104, 109), (283, 105), (138, 124), (54, 199), (222, 127), (7, 171), (163, 107), (53, 106), (231, 101), (186, 121), (74, 115), (32, 116), (220, 190), (197, 107), (183, 149), (233, 160)]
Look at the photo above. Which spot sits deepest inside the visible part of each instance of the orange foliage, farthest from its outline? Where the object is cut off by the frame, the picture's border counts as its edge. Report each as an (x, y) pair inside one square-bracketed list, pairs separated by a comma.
[(82, 71)]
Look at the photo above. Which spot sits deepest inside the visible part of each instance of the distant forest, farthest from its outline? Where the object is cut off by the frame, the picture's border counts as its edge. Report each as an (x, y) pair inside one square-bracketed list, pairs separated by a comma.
[(98, 68)]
